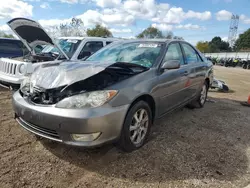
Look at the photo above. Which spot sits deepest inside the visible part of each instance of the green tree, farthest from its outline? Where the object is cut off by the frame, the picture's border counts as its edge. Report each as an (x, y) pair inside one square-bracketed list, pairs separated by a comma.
[(243, 42), (99, 31), (150, 32), (8, 36), (168, 35), (218, 45), (5, 35), (203, 46)]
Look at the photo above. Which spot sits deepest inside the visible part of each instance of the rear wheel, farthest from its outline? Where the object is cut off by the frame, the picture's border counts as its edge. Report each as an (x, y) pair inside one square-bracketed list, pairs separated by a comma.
[(244, 66), (201, 100), (136, 127), (248, 66)]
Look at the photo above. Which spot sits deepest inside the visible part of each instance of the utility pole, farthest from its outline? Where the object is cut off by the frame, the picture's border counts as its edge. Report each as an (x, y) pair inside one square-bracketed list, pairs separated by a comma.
[(233, 30)]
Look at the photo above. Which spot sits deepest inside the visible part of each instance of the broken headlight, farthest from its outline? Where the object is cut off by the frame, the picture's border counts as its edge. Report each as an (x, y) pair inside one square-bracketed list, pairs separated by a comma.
[(25, 85), (87, 100)]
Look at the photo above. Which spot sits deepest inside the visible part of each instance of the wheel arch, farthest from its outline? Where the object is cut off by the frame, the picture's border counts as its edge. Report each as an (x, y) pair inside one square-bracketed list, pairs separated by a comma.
[(207, 80), (148, 99)]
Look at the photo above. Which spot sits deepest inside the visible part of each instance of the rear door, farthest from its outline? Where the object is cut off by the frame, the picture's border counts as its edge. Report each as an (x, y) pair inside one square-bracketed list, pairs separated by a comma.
[(171, 90), (196, 68)]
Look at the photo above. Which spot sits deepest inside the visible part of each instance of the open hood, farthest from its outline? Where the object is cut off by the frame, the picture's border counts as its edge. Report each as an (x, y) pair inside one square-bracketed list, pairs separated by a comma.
[(32, 34)]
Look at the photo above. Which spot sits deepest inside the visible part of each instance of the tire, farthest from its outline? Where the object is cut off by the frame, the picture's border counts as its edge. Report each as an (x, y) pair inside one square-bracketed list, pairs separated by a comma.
[(125, 142), (244, 66), (200, 101), (248, 66), (225, 88)]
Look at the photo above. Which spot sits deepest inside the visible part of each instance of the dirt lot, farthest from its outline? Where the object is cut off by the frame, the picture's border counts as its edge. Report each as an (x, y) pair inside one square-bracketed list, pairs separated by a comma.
[(190, 148)]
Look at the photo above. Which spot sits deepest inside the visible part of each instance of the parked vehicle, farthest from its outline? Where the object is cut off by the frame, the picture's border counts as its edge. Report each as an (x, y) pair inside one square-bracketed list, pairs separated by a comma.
[(12, 48), (221, 61), (115, 95), (213, 60), (246, 64), (13, 71)]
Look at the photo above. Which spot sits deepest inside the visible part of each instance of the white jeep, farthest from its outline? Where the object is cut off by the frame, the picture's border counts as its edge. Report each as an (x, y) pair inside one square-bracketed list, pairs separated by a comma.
[(31, 33)]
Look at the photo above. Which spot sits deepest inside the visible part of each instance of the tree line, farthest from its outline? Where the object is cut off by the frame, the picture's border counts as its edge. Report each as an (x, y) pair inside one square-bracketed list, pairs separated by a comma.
[(218, 45), (5, 35)]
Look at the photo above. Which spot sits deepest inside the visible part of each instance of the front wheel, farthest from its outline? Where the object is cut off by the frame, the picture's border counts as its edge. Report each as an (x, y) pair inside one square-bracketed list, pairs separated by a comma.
[(136, 127)]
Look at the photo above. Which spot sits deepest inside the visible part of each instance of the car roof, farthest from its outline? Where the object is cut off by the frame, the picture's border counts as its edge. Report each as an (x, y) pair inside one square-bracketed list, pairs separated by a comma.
[(95, 38)]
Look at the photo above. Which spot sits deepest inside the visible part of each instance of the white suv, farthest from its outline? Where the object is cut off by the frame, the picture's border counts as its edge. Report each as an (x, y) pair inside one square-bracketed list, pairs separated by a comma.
[(31, 33)]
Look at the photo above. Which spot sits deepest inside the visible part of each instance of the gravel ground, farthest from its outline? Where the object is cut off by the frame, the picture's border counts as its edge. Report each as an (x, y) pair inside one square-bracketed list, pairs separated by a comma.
[(206, 147)]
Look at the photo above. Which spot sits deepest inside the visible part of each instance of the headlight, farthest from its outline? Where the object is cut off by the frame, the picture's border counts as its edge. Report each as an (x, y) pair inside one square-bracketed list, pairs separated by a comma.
[(87, 100), (22, 69), (25, 85)]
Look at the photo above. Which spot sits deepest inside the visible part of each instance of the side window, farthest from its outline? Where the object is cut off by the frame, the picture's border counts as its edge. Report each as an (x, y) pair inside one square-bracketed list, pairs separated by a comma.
[(10, 47), (90, 48), (108, 42), (174, 53), (190, 54)]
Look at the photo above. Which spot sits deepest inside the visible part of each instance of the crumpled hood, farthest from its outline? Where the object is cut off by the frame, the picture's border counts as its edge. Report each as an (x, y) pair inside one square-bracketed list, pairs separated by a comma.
[(56, 75)]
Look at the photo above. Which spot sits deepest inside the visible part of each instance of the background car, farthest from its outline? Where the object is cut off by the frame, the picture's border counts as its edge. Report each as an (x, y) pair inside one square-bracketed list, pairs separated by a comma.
[(12, 48), (31, 33)]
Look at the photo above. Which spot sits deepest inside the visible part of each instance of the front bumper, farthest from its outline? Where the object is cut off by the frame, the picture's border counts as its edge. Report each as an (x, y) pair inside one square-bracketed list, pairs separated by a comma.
[(9, 85), (11, 78), (10, 81), (58, 124)]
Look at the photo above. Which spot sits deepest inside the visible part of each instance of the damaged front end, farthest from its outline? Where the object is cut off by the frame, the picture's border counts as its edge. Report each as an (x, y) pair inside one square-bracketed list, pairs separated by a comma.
[(53, 83)]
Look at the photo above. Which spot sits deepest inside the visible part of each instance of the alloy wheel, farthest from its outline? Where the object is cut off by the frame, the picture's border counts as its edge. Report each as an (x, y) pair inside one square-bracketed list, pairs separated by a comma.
[(203, 94), (139, 126)]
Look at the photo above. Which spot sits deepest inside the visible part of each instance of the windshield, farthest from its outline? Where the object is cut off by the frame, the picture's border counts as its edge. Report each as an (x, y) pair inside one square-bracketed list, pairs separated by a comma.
[(141, 53), (51, 49), (69, 46)]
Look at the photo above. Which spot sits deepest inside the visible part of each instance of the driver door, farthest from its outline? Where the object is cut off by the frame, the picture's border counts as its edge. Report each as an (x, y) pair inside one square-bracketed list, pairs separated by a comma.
[(171, 83)]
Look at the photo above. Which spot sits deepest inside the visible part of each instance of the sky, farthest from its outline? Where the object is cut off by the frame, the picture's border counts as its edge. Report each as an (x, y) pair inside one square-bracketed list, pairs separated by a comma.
[(194, 20)]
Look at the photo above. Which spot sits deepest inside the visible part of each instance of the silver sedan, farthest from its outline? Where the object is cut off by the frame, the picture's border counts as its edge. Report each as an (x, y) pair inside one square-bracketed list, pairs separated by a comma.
[(115, 95)]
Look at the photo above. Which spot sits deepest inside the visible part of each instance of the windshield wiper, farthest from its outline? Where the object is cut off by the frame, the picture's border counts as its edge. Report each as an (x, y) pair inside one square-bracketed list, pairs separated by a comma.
[(131, 65), (129, 68), (121, 66)]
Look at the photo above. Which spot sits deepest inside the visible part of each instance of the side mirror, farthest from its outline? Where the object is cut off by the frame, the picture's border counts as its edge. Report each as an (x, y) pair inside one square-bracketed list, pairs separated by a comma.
[(171, 64)]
